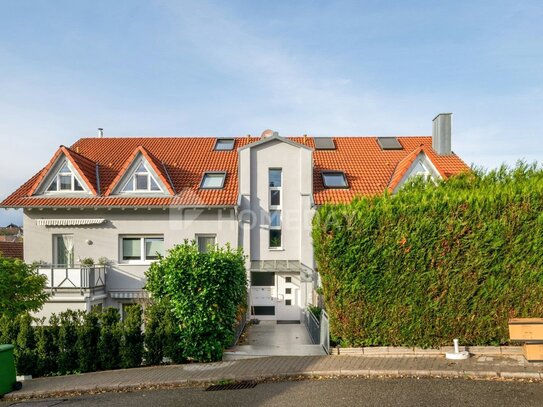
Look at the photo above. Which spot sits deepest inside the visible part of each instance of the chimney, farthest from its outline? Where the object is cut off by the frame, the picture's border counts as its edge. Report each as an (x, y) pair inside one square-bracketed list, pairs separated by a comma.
[(100, 132), (441, 134)]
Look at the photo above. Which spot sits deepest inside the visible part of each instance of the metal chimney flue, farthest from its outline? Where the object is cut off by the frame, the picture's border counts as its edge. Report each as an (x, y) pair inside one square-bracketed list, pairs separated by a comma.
[(100, 132), (441, 134)]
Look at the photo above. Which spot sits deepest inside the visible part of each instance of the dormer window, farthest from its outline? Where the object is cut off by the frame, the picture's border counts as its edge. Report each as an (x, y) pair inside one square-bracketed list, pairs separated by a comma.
[(65, 181), (213, 180), (334, 179), (141, 181)]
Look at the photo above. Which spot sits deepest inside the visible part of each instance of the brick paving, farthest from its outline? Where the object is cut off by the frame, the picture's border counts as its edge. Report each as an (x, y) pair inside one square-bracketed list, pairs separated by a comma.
[(512, 367)]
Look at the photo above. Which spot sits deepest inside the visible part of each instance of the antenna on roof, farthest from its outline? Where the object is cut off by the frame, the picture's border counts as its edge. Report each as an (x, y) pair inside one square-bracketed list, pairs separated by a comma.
[(100, 132)]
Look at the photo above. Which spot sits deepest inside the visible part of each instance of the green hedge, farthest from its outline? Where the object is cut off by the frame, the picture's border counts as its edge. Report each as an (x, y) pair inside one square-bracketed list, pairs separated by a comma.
[(76, 341), (434, 262), (204, 292)]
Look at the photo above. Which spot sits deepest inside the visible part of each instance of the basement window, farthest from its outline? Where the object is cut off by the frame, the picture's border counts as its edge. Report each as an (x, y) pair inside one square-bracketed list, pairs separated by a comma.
[(224, 144), (334, 179), (213, 180)]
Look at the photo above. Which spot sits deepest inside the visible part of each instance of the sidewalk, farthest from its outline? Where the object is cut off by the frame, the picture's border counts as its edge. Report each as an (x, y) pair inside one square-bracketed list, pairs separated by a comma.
[(512, 367)]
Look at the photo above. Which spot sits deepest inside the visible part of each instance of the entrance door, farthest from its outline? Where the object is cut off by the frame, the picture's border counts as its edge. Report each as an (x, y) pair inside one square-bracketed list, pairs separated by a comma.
[(288, 297)]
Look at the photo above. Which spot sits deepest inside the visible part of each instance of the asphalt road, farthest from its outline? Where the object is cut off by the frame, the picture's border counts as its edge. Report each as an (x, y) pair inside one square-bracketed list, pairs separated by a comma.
[(329, 392)]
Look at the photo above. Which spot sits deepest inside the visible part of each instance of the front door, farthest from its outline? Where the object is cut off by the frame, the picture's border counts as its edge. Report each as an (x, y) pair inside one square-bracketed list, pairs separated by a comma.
[(288, 297)]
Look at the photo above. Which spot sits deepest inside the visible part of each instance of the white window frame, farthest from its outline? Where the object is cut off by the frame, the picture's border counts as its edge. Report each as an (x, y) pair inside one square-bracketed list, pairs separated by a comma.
[(56, 178), (275, 208), (142, 260), (204, 235), (132, 179)]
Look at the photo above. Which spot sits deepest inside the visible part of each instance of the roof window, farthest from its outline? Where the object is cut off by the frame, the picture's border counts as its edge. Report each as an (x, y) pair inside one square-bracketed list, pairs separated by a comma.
[(213, 180), (334, 179), (224, 144), (324, 143), (389, 143)]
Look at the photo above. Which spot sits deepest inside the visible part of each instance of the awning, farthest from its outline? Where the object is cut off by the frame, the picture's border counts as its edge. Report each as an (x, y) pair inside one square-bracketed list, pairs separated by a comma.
[(284, 266), (119, 295), (69, 222)]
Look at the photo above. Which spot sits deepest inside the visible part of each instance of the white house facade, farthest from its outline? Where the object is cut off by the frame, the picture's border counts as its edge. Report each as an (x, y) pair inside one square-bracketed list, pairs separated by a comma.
[(120, 201)]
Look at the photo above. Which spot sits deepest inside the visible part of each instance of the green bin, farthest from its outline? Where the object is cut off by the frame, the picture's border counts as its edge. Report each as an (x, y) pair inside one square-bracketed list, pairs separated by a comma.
[(8, 380)]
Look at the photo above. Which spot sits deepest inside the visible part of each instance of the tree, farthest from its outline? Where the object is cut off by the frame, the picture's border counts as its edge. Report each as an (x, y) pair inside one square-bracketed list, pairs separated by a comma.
[(205, 292), (21, 288)]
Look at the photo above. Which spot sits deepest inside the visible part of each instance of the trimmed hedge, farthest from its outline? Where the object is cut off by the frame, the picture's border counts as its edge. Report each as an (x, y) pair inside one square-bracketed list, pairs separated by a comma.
[(434, 262), (204, 292), (76, 341)]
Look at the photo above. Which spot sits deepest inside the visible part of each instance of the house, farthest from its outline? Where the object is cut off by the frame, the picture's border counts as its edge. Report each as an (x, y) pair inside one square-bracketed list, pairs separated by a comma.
[(11, 233), (120, 201), (12, 250)]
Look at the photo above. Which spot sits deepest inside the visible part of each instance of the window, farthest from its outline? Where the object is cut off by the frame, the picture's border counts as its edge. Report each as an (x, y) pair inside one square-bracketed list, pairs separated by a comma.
[(275, 177), (141, 181), (262, 279), (420, 170), (204, 242), (224, 144), (65, 180), (288, 279), (63, 250), (262, 310), (288, 302), (334, 179), (141, 249), (324, 143), (213, 180), (288, 290)]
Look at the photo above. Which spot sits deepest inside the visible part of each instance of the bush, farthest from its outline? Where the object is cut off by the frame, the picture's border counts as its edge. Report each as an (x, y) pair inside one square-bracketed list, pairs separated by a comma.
[(132, 345), (205, 291), (155, 335), (455, 259), (25, 347), (109, 344), (47, 346), (87, 342)]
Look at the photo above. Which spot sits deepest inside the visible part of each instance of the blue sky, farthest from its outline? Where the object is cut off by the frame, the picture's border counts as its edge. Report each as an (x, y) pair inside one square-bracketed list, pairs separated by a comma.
[(178, 68)]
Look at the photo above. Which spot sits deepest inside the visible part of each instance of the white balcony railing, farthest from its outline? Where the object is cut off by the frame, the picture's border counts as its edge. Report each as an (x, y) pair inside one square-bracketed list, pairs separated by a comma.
[(82, 277)]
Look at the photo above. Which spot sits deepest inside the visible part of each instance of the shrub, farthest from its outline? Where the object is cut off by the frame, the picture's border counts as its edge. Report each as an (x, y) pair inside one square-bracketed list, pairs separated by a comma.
[(435, 262), (25, 347), (205, 291), (47, 346), (155, 335), (70, 322), (132, 345), (109, 344), (21, 289), (87, 341)]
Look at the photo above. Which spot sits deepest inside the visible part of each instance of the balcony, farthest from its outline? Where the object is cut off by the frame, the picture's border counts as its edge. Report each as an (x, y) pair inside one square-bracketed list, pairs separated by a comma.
[(69, 279)]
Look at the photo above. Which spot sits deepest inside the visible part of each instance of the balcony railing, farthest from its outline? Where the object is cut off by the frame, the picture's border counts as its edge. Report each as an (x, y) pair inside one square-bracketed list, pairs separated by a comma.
[(83, 278)]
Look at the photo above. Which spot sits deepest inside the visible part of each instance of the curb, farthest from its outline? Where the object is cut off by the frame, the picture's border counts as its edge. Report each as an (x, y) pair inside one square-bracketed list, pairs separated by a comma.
[(369, 373)]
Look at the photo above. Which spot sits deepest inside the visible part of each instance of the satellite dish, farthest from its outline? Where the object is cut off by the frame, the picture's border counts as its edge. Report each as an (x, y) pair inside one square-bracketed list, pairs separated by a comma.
[(269, 133)]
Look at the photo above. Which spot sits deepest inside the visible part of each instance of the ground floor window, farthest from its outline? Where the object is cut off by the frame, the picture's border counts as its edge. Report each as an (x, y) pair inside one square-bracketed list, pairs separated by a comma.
[(263, 310), (205, 242), (141, 248), (262, 279)]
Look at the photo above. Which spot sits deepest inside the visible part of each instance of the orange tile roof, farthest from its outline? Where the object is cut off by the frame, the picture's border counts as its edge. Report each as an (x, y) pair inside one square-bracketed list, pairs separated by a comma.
[(12, 249), (181, 162)]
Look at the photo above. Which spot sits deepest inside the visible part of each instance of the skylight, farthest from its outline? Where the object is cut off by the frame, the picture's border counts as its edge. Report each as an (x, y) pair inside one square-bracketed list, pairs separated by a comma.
[(224, 144), (324, 143), (334, 179), (213, 180), (389, 143)]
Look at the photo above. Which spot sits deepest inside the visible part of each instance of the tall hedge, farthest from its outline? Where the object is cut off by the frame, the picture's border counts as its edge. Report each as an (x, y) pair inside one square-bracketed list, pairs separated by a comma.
[(204, 292), (434, 262)]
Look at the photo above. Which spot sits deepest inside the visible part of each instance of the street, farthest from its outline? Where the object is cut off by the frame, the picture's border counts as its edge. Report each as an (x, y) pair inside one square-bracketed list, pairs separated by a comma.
[(326, 392)]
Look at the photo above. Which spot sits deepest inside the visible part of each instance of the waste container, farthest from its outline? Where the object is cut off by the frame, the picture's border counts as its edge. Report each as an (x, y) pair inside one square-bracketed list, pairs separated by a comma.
[(8, 380)]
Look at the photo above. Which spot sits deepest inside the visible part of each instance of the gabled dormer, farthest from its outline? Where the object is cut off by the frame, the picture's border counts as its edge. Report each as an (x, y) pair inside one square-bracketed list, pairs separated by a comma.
[(416, 164), (142, 173), (68, 173)]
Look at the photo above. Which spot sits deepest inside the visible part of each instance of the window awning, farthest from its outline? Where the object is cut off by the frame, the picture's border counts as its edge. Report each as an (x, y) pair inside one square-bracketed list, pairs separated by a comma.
[(128, 294), (69, 222), (278, 265)]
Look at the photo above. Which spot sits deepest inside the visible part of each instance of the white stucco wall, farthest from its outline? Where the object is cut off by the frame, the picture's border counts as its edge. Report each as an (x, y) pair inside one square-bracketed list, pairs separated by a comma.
[(176, 226)]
